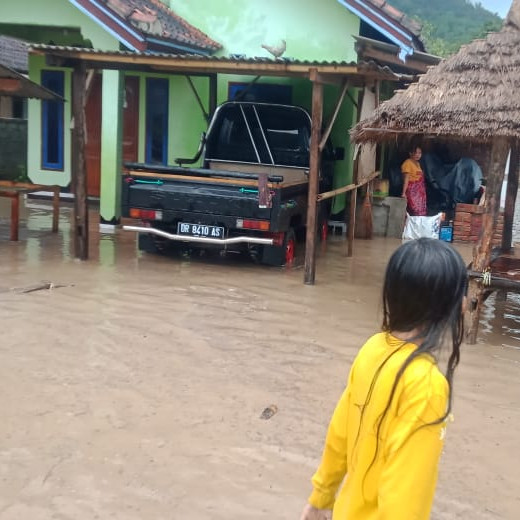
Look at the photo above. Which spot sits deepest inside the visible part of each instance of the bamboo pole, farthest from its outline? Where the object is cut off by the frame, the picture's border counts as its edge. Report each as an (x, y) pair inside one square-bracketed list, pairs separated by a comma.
[(329, 194), (314, 174), (345, 189), (79, 173), (482, 254), (511, 194)]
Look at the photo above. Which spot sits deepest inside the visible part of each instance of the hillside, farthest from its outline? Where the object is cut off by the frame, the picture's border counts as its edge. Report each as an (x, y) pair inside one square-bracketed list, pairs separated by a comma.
[(448, 24)]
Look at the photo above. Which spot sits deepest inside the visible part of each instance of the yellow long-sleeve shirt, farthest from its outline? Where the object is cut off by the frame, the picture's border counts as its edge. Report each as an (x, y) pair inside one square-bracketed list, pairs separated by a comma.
[(396, 482)]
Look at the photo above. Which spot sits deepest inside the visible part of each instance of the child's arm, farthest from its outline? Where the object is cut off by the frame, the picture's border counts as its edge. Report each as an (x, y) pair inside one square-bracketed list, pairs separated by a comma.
[(333, 467), (412, 452)]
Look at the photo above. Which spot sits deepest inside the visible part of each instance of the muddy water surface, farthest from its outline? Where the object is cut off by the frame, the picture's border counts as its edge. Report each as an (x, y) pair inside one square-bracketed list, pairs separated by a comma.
[(136, 389)]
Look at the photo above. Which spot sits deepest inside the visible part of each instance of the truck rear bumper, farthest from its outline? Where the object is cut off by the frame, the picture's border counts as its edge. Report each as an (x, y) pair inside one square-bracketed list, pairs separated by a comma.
[(201, 240)]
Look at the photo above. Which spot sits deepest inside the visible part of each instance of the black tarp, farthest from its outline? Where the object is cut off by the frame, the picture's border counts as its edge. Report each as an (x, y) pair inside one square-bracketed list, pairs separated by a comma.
[(447, 184)]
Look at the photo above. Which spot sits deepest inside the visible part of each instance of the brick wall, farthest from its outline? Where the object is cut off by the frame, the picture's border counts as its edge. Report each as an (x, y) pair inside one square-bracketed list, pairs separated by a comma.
[(13, 149), (467, 224)]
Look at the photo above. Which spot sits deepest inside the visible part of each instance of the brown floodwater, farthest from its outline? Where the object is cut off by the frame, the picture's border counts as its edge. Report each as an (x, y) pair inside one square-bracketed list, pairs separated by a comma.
[(134, 386)]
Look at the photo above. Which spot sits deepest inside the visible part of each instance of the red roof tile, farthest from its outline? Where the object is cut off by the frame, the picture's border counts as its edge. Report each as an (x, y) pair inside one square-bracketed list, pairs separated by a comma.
[(412, 25), (153, 19)]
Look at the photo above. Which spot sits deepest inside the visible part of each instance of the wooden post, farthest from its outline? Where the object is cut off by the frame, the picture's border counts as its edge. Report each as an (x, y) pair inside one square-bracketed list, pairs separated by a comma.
[(212, 102), (314, 178), (511, 194), (351, 218), (351, 222), (482, 254), (15, 215), (55, 209), (79, 173)]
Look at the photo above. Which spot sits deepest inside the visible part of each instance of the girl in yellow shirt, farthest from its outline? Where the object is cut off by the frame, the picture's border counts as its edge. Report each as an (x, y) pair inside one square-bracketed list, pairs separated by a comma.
[(385, 437)]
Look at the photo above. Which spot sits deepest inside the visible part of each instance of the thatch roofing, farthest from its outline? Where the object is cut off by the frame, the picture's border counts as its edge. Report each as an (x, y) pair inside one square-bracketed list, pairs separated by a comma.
[(472, 95)]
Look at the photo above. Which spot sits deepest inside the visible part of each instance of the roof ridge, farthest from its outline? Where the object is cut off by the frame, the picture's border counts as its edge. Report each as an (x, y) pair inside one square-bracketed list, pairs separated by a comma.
[(187, 25)]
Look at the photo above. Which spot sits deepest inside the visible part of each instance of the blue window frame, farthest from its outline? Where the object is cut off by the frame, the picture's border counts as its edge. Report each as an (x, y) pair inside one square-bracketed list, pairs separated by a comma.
[(157, 121), (52, 121), (262, 92)]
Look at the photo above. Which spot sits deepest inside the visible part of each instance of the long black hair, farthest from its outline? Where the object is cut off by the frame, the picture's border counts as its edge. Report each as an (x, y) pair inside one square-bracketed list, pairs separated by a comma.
[(424, 289), (425, 284)]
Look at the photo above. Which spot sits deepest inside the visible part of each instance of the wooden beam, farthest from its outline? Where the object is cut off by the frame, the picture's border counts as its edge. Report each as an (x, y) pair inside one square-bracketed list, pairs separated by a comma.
[(197, 64), (511, 194), (482, 255), (248, 87), (212, 94), (199, 101), (79, 174), (314, 174), (383, 57), (339, 102)]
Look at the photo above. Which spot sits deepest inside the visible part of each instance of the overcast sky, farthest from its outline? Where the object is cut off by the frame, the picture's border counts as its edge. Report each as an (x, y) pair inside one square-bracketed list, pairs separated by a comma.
[(496, 6)]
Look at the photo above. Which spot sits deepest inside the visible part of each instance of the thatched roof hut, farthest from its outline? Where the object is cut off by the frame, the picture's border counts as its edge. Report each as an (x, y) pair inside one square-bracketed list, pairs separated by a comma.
[(472, 96)]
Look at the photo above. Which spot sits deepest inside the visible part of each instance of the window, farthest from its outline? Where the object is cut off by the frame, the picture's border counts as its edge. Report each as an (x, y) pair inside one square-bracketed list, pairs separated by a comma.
[(156, 121), (265, 134), (52, 121), (260, 92)]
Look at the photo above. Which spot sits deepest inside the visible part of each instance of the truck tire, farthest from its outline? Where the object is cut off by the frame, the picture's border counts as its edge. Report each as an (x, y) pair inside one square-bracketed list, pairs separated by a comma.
[(281, 255)]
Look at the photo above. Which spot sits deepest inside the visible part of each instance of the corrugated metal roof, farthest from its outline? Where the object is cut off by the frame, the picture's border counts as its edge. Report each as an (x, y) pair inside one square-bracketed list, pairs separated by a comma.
[(20, 86), (229, 64)]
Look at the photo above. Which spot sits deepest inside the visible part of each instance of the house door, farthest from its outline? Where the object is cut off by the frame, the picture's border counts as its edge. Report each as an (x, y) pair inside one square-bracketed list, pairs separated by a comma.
[(93, 143), (131, 119), (93, 118)]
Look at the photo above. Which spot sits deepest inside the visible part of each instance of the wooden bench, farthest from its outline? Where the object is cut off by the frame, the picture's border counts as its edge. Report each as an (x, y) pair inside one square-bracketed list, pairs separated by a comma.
[(13, 190)]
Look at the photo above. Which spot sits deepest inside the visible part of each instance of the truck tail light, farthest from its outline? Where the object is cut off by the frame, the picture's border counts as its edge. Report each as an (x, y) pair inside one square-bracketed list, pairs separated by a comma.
[(146, 214), (261, 225)]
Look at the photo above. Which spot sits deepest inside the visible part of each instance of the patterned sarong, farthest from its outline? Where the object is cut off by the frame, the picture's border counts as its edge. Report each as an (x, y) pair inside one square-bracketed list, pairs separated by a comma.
[(416, 198)]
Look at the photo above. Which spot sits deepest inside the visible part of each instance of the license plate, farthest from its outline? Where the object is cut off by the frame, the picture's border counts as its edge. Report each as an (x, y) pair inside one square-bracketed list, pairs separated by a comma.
[(200, 230)]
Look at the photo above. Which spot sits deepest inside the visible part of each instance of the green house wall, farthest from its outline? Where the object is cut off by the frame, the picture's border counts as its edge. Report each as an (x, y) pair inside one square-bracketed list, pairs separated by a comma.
[(320, 31)]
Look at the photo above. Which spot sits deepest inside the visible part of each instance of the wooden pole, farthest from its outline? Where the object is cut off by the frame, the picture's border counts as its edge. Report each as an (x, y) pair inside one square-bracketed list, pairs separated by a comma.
[(15, 215), (482, 255), (351, 222), (314, 177), (511, 194), (351, 218), (212, 103), (55, 209), (79, 172)]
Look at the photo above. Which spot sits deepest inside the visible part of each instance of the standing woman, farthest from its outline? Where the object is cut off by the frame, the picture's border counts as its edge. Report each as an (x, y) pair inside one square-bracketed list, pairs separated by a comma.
[(414, 188)]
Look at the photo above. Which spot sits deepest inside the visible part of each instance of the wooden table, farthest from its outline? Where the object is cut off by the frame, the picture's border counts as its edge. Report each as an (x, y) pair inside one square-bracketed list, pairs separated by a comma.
[(13, 190)]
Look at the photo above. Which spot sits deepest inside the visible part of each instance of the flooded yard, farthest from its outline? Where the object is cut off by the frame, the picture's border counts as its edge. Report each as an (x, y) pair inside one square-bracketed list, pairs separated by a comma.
[(133, 387)]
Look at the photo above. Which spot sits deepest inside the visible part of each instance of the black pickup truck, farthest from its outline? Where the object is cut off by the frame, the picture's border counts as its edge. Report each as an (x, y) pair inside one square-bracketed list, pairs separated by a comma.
[(251, 192)]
